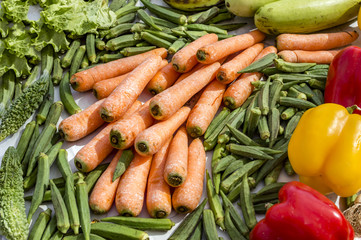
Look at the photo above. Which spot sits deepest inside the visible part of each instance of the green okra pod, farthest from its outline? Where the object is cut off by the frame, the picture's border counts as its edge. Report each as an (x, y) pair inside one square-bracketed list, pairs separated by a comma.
[(121, 42), (78, 57), (163, 22), (253, 121), (66, 96), (117, 4), (8, 90), (111, 57), (231, 229), (157, 41), (99, 44), (131, 51), (61, 212), (47, 58), (40, 224), (83, 207), (57, 236), (293, 92), (25, 139), (214, 202), (248, 151), (274, 125), (209, 225), (270, 165), (114, 231), (123, 163), (128, 18), (32, 77), (317, 72), (216, 121), (207, 28), (50, 229), (291, 125), (155, 224), (248, 212), (90, 47), (263, 128), (260, 64), (47, 195), (289, 67), (288, 113), (81, 237), (287, 77), (94, 175), (197, 233), (216, 157), (225, 135), (252, 104), (269, 71), (274, 92), (317, 84), (127, 9), (45, 105), (148, 20), (165, 13), (177, 45), (187, 226), (63, 165), (84, 63), (118, 30), (68, 58), (223, 163), (232, 167), (57, 71), (297, 103), (162, 35), (319, 96), (42, 182), (71, 204), (264, 198), (288, 168), (270, 188), (138, 27), (241, 137), (205, 16)]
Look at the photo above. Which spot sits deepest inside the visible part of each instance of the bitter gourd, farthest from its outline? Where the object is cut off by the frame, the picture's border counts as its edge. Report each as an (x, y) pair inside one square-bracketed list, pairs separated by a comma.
[(24, 106), (13, 224)]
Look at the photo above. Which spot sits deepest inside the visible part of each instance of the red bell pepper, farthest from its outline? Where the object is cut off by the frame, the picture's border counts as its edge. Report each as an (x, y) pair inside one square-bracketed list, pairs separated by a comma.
[(303, 213), (344, 78)]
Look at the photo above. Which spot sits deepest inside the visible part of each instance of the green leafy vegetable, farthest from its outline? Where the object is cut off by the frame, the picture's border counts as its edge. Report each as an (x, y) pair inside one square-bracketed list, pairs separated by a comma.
[(4, 28), (13, 224), (10, 61), (16, 10)]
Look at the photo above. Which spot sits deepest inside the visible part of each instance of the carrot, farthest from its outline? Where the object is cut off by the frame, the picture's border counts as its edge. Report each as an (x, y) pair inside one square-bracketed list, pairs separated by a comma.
[(124, 131), (84, 80), (315, 42), (187, 74), (129, 89), (152, 139), (169, 101), (131, 189), (227, 73), (186, 197), (81, 124), (175, 170), (158, 200), (215, 51), (185, 59), (205, 109), (163, 79), (238, 92), (104, 88), (102, 197), (300, 56), (95, 151)]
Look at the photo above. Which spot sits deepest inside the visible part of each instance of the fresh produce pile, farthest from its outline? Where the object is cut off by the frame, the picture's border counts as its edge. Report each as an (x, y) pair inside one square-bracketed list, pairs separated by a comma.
[(271, 97)]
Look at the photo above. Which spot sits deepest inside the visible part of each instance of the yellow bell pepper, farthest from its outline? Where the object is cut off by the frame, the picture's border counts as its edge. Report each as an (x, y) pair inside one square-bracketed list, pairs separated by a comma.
[(325, 150)]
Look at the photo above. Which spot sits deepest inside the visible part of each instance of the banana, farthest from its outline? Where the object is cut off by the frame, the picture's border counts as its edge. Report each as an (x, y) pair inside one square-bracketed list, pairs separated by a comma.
[(193, 5)]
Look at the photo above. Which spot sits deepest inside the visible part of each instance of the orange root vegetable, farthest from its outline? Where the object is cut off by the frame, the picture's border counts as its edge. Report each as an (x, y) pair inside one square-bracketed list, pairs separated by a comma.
[(129, 89), (218, 50), (205, 109), (124, 131), (105, 87), (163, 79), (153, 138), (158, 200), (81, 124), (103, 194), (227, 73), (300, 56), (129, 197), (175, 170), (84, 80), (169, 101), (238, 92), (187, 74), (185, 59), (95, 151), (315, 42), (186, 197)]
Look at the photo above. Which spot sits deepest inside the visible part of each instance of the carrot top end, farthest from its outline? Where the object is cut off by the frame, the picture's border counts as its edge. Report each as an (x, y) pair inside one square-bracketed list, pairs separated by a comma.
[(229, 102), (201, 55), (175, 180), (79, 165), (104, 114), (161, 214), (142, 147), (182, 209), (195, 131), (156, 111), (116, 139)]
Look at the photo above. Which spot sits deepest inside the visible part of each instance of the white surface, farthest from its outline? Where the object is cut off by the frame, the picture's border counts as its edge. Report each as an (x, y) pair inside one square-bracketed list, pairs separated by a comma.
[(86, 99)]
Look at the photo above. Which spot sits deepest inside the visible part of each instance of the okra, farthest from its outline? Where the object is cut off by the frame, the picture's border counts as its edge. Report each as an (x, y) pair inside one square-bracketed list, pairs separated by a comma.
[(177, 45), (128, 18), (297, 103), (66, 96), (163, 23), (187, 226), (131, 51), (54, 113), (232, 167), (204, 16), (293, 92), (68, 58), (214, 202), (317, 84), (42, 182), (114, 231), (99, 44), (228, 26), (90, 47), (207, 28), (252, 104), (209, 225), (194, 35), (261, 208), (126, 10), (157, 41), (233, 195), (63, 165), (147, 20), (162, 35), (57, 71), (50, 229), (25, 139), (165, 13), (81, 237), (83, 207), (47, 195), (350, 201), (111, 57), (94, 175), (61, 212), (288, 113), (40, 225), (119, 30), (241, 137), (319, 96), (269, 71), (138, 27), (264, 198), (249, 214), (274, 125), (287, 85), (286, 77), (197, 233), (78, 57), (71, 204), (121, 42), (225, 135), (154, 224), (263, 128), (8, 90), (284, 66), (254, 120), (223, 163), (117, 4), (32, 77), (260, 64), (143, 44), (323, 72), (267, 150), (291, 125), (274, 92), (248, 151), (45, 105), (216, 157), (288, 168), (236, 176), (57, 236), (231, 229), (216, 121), (84, 62), (47, 58), (123, 163)]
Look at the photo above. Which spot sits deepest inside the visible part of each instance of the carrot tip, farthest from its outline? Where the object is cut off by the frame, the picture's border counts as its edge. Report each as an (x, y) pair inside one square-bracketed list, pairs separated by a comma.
[(221, 76), (104, 115), (201, 55), (95, 93), (176, 67), (161, 214), (156, 111), (116, 139), (142, 146), (175, 180), (127, 214), (74, 84), (229, 102), (62, 134), (182, 209), (195, 131), (155, 91), (79, 165)]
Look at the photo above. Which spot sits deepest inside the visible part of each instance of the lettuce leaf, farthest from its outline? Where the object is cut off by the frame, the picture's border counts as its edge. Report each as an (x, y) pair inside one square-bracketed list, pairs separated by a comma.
[(78, 17), (10, 61), (16, 10)]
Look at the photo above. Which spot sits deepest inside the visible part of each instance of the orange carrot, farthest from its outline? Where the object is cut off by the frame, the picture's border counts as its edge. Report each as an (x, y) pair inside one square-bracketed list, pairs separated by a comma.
[(238, 92), (205, 109), (153, 138), (227, 73), (221, 49), (169, 101), (129, 89), (185, 59), (81, 124), (300, 56), (187, 74), (102, 197), (163, 79), (104, 88), (131, 189), (84, 80), (175, 170), (158, 200), (186, 197), (95, 151), (124, 131), (315, 42)]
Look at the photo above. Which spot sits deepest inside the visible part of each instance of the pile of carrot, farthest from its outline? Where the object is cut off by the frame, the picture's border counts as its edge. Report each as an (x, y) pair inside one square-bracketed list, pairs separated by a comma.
[(157, 131)]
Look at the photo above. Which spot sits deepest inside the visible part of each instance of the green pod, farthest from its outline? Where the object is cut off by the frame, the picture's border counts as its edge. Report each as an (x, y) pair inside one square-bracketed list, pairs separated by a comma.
[(66, 96), (291, 125), (274, 92), (256, 199), (225, 135), (163, 23), (118, 30), (78, 57), (40, 224), (83, 207), (84, 62), (248, 151), (94, 175), (63, 165), (128, 18), (162, 35), (252, 104), (205, 16), (214, 202), (287, 85), (68, 58), (289, 67), (288, 113), (216, 157), (147, 20), (25, 139), (153, 224), (215, 122), (165, 13), (232, 168), (157, 41), (8, 90), (319, 96), (317, 84), (81, 237), (320, 71), (47, 58), (131, 51), (288, 77), (274, 125), (47, 195), (90, 47), (288, 168), (50, 229), (57, 71), (223, 163), (270, 188), (263, 128), (99, 44), (228, 26), (126, 10), (111, 57), (123, 163), (231, 229), (197, 233), (121, 42), (293, 92), (260, 64), (207, 28), (57, 236), (248, 212), (71, 205), (177, 45), (61, 212), (254, 117), (114, 231), (42, 182), (241, 137), (117, 4), (138, 27), (45, 105), (33, 76), (297, 103), (209, 225)]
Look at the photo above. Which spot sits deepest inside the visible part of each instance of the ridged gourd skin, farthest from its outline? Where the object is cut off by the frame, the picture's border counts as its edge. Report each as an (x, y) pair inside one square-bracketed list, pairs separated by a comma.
[(24, 106), (192, 5), (13, 223), (245, 8), (294, 16)]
